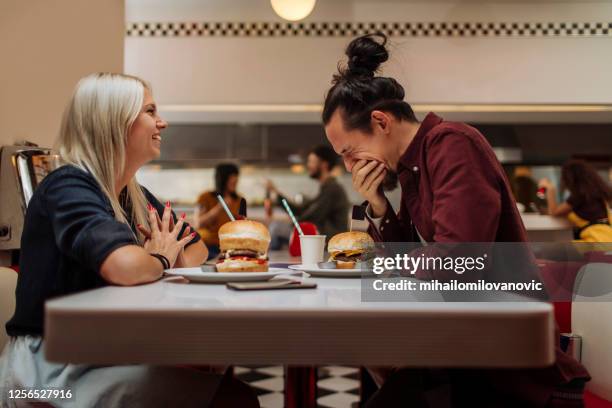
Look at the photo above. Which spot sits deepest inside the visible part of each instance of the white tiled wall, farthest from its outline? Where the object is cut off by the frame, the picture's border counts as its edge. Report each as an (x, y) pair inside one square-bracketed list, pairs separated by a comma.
[(184, 185)]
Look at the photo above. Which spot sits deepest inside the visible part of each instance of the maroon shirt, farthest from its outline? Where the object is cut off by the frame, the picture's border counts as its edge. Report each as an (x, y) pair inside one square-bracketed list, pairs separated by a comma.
[(455, 190)]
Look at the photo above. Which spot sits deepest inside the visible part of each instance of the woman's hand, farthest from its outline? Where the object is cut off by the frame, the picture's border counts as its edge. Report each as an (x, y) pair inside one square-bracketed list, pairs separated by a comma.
[(183, 259), (162, 239), (367, 179), (181, 262)]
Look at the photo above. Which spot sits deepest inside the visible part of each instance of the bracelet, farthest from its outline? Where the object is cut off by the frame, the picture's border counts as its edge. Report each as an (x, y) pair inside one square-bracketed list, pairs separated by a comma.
[(164, 261)]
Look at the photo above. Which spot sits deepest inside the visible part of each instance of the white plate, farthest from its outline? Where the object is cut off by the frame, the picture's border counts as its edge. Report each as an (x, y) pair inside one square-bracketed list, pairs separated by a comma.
[(314, 270), (196, 275)]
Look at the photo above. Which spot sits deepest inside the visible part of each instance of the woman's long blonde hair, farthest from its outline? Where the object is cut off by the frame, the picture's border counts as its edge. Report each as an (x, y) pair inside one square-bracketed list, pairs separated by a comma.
[(94, 131)]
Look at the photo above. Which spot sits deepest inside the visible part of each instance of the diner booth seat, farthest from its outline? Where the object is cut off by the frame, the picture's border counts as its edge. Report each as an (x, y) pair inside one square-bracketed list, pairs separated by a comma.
[(592, 320), (8, 282)]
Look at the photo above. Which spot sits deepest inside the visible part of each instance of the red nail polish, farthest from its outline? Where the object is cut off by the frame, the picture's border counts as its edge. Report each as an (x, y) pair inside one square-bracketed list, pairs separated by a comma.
[(183, 215), (139, 225), (150, 207), (192, 235), (168, 204)]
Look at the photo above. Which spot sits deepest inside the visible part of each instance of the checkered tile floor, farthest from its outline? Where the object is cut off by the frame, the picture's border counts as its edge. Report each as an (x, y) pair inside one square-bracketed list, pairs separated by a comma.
[(338, 387)]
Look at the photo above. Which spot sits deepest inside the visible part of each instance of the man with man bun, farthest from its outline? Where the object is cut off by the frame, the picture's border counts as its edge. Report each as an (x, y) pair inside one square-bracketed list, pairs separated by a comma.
[(454, 190)]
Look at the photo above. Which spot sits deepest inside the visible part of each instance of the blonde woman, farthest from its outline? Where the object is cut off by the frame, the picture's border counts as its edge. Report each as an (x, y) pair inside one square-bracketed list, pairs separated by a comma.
[(89, 224)]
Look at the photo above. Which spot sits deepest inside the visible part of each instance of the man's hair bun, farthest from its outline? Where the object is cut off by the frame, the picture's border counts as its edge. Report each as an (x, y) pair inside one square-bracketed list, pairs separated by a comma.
[(357, 91), (366, 54)]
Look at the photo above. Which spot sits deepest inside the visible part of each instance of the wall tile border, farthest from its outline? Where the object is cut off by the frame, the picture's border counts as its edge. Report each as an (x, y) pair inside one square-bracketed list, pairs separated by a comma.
[(352, 29)]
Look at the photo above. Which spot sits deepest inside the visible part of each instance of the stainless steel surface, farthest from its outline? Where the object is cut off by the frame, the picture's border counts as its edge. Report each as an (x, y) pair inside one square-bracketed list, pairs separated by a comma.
[(271, 144), (508, 154), (22, 168)]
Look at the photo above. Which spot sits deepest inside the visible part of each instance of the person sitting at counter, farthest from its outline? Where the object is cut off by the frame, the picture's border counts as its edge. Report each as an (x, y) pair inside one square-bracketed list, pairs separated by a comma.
[(90, 224), (453, 190), (209, 213), (329, 209), (525, 190), (588, 204)]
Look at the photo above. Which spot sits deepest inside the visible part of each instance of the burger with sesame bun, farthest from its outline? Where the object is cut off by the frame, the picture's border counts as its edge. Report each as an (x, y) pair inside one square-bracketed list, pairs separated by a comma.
[(244, 247), (348, 248)]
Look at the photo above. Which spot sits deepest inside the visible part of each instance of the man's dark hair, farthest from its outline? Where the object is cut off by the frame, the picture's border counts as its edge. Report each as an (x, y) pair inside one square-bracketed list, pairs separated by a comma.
[(326, 154), (356, 91)]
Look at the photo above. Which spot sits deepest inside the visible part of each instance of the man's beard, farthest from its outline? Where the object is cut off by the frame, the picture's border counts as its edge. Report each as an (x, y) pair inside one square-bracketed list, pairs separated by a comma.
[(390, 183), (315, 174)]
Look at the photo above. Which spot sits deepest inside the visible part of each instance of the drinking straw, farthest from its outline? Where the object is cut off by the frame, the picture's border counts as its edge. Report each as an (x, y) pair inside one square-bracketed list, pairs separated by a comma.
[(227, 210), (297, 225)]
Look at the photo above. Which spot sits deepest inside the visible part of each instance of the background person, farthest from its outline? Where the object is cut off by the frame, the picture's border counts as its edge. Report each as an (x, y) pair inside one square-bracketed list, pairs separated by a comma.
[(525, 190), (329, 209), (587, 206), (210, 215)]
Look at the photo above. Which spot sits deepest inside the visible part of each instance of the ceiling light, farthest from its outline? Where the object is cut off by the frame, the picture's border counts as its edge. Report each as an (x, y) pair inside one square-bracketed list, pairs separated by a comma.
[(293, 10)]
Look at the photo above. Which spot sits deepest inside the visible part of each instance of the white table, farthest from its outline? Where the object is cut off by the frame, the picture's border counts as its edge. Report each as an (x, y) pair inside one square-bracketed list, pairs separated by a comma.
[(171, 323)]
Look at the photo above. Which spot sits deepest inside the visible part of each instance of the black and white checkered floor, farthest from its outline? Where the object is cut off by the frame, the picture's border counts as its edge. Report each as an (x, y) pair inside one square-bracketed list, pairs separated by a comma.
[(338, 387)]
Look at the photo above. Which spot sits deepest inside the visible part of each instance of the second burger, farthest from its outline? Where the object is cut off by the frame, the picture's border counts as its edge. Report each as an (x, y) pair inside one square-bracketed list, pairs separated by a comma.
[(348, 248)]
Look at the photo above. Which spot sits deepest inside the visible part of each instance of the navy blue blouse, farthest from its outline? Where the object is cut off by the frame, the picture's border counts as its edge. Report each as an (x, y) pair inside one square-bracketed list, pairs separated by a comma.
[(69, 230)]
